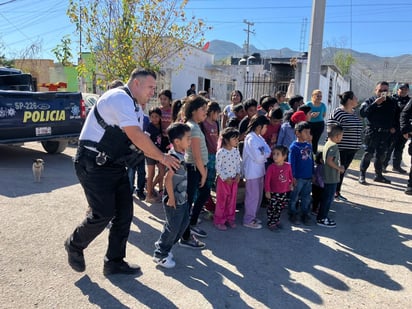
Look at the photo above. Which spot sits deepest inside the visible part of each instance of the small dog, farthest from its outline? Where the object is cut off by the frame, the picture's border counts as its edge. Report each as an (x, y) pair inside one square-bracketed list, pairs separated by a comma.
[(38, 168)]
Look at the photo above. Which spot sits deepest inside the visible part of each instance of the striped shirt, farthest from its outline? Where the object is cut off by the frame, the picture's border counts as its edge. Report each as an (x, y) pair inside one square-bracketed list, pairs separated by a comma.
[(352, 128)]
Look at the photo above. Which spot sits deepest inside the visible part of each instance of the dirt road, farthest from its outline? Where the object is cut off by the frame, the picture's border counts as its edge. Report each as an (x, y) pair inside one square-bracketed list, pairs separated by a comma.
[(365, 262)]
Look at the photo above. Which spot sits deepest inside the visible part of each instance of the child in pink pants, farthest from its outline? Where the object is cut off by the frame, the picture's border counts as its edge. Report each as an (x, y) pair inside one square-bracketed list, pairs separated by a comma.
[(228, 171)]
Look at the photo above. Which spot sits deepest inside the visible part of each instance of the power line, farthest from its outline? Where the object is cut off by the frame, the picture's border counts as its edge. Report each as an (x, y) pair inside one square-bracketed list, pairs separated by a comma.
[(233, 8)]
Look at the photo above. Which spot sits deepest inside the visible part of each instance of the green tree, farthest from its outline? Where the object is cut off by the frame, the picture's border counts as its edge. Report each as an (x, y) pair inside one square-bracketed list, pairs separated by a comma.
[(63, 52), (123, 35), (343, 61)]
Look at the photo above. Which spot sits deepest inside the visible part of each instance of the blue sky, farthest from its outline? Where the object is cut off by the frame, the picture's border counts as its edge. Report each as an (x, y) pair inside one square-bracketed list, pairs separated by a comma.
[(378, 27)]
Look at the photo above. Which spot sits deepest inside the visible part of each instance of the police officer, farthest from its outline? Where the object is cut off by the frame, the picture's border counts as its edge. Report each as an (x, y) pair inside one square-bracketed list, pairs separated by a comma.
[(406, 131), (397, 140), (382, 116), (104, 179)]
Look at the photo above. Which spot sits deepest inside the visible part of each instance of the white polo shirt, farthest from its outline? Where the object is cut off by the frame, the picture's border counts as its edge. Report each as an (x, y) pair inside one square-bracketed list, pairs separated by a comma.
[(116, 107)]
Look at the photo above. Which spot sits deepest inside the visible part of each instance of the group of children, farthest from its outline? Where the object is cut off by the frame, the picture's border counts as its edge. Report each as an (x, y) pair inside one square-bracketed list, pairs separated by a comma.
[(210, 156)]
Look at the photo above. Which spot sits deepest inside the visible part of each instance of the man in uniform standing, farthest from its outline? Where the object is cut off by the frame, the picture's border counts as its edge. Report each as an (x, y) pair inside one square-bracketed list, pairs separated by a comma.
[(406, 131), (397, 140), (382, 115), (104, 178)]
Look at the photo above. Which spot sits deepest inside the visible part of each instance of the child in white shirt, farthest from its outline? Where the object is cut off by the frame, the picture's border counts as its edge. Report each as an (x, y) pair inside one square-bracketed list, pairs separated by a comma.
[(255, 153), (228, 171)]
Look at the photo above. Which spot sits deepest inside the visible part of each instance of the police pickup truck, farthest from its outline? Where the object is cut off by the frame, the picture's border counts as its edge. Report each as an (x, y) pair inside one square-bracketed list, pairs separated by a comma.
[(52, 118)]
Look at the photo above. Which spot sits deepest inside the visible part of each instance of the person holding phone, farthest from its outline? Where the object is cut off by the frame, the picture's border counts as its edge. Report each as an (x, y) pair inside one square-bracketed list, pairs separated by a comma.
[(382, 119)]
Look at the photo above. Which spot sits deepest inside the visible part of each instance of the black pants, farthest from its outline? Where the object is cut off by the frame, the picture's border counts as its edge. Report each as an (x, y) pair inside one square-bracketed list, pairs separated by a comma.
[(316, 129), (377, 144), (107, 191), (410, 171), (346, 158), (396, 146), (316, 197), (203, 193)]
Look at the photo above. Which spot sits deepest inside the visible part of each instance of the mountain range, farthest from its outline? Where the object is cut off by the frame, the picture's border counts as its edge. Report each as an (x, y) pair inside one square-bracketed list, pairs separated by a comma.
[(397, 68)]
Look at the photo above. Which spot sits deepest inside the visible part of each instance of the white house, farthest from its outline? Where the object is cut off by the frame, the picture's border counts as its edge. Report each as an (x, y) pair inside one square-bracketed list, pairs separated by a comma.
[(331, 83), (196, 67)]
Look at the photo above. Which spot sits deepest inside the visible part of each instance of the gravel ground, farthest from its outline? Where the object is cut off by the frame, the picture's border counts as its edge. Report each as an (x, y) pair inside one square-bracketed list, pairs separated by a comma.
[(365, 262)]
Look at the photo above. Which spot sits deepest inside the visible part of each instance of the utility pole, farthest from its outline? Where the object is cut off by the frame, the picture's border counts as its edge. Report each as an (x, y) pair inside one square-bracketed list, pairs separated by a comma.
[(248, 31), (315, 47)]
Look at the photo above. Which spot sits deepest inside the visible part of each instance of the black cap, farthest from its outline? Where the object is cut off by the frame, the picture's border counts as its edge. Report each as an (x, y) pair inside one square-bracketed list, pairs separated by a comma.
[(404, 85)]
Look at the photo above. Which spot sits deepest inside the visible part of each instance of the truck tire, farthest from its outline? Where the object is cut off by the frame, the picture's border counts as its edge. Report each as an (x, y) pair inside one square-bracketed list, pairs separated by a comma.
[(54, 146)]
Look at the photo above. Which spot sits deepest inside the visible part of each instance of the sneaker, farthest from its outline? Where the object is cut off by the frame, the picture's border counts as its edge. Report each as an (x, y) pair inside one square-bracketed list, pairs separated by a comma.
[(253, 225), (166, 262), (192, 243), (231, 224), (399, 169), (75, 257), (326, 223), (362, 180), (197, 231), (408, 190), (381, 179), (340, 197), (122, 267), (140, 194), (221, 227), (258, 221)]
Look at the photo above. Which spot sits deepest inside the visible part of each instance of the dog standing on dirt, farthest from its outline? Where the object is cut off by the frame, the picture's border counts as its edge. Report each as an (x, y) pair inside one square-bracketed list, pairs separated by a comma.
[(38, 168)]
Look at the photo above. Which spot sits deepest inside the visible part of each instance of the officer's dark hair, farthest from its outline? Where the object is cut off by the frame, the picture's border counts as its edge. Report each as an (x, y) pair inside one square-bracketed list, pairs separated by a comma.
[(344, 97), (334, 129), (142, 73), (177, 130), (257, 120), (268, 102), (303, 125), (193, 102), (250, 103)]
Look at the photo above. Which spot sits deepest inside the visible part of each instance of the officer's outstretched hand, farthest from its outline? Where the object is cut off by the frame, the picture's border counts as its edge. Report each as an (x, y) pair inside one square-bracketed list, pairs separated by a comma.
[(170, 162)]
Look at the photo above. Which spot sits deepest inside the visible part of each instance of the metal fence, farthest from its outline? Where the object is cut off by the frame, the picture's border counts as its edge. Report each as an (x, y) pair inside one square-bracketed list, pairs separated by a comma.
[(260, 84)]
